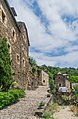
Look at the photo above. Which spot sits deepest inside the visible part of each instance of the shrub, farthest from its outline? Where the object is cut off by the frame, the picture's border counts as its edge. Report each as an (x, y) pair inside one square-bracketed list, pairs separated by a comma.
[(5, 66), (51, 83), (41, 104), (76, 114), (75, 91), (12, 96), (46, 115)]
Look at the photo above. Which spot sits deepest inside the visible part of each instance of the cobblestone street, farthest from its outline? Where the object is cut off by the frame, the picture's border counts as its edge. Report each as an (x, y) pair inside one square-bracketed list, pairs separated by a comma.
[(65, 113), (26, 107)]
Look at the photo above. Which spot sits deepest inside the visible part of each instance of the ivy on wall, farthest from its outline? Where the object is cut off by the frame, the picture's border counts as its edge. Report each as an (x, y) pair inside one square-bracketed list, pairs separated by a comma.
[(5, 66)]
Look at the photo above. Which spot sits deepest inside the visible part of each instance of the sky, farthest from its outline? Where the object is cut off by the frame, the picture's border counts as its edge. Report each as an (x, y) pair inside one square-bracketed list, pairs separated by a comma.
[(52, 28)]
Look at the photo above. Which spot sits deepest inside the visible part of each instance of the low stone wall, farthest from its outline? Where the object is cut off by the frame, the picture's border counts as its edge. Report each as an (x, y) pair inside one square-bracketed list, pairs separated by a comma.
[(40, 111)]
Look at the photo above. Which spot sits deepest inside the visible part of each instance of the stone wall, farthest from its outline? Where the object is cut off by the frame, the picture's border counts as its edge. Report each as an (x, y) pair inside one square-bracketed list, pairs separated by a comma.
[(33, 82), (60, 80), (44, 79), (10, 30), (24, 54), (68, 85)]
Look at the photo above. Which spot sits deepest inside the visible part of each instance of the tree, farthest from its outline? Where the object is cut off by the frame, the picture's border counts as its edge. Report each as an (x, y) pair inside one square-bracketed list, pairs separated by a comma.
[(32, 61), (74, 79), (5, 66), (51, 83)]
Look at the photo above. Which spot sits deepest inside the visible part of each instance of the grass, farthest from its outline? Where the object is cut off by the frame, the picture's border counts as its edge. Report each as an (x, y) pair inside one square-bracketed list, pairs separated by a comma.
[(41, 104), (52, 108)]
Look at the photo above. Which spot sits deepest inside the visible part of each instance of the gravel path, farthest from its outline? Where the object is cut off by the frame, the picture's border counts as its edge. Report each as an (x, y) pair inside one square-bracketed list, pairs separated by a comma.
[(64, 113), (26, 107)]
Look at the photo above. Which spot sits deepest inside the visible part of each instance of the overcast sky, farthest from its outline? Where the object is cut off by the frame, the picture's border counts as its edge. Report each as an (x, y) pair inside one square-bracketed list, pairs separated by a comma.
[(53, 30)]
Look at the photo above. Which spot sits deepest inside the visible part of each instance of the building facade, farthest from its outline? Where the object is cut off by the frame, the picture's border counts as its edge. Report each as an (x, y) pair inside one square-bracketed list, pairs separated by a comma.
[(33, 82), (62, 80), (44, 79), (18, 42)]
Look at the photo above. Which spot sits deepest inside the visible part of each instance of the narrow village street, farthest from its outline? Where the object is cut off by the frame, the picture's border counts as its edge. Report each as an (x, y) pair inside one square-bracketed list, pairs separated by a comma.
[(25, 108), (38, 59)]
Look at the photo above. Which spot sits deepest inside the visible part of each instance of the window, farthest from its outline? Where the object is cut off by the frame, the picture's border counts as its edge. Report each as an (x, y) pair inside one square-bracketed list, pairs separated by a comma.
[(43, 81), (23, 62), (3, 17), (9, 47), (59, 77), (60, 85), (14, 35), (18, 58)]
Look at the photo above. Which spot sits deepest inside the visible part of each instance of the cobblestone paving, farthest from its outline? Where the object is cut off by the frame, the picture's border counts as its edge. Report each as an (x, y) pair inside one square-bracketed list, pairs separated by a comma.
[(65, 114), (26, 107)]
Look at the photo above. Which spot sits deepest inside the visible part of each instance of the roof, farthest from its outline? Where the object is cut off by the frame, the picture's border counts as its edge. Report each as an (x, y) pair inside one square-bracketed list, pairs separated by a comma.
[(9, 8), (13, 11), (59, 73), (44, 72), (23, 24), (64, 74)]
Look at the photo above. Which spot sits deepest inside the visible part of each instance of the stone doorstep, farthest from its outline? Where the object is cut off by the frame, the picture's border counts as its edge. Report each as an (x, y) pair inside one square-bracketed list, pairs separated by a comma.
[(40, 112)]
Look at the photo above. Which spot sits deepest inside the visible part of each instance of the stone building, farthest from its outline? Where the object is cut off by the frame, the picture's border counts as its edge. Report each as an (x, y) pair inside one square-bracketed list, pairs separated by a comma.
[(18, 42), (62, 80), (33, 82), (44, 79), (24, 54)]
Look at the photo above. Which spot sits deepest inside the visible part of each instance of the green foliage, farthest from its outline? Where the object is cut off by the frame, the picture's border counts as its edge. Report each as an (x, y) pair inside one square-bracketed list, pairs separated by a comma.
[(5, 66), (52, 71), (12, 96), (51, 84), (41, 104), (76, 114), (75, 92), (65, 98), (52, 108), (33, 69), (32, 62), (50, 75), (48, 95), (46, 115), (74, 79), (38, 70)]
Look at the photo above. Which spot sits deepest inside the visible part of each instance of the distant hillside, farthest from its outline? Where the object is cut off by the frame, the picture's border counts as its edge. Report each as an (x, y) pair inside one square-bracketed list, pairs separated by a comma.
[(52, 71)]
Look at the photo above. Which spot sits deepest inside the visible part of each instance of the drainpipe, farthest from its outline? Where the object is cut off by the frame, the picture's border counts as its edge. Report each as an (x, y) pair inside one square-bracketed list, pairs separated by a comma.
[(20, 59)]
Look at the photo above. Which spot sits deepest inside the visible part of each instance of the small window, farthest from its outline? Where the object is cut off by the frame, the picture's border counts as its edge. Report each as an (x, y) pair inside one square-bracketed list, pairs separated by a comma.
[(3, 17), (18, 58), (23, 62), (60, 85), (14, 35), (43, 81), (9, 47)]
